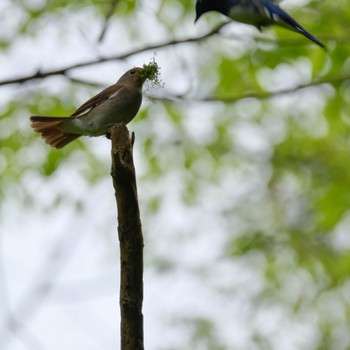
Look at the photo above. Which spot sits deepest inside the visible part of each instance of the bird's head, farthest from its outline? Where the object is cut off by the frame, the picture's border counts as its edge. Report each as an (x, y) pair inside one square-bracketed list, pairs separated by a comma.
[(137, 76), (133, 76), (203, 6), (199, 9)]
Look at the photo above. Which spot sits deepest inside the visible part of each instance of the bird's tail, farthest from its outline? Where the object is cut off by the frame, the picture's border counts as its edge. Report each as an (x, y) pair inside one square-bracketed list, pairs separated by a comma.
[(49, 128), (283, 19)]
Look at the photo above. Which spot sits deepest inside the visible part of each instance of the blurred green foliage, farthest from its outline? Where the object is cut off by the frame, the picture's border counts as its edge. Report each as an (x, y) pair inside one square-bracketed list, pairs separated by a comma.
[(296, 214)]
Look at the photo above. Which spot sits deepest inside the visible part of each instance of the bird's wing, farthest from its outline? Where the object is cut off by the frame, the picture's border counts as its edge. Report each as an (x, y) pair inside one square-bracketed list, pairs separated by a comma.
[(98, 99), (258, 6)]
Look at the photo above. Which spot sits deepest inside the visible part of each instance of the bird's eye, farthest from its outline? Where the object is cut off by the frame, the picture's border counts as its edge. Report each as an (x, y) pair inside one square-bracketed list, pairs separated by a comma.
[(133, 71)]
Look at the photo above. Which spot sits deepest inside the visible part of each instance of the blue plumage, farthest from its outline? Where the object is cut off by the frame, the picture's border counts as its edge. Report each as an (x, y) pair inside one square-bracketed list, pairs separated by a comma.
[(260, 13)]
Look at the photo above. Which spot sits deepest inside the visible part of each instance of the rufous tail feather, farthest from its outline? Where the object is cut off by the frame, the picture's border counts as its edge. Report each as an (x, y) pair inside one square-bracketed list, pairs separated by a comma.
[(49, 128)]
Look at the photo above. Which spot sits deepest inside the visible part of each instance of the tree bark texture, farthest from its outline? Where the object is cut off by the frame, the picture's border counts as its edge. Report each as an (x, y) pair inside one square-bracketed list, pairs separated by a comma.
[(130, 239)]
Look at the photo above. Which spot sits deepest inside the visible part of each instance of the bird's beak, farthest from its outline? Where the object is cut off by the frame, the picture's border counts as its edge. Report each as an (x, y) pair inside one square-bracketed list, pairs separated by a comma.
[(197, 18)]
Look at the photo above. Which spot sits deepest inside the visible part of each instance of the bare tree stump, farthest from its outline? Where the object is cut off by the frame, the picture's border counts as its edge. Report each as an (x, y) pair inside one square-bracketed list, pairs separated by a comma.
[(130, 238)]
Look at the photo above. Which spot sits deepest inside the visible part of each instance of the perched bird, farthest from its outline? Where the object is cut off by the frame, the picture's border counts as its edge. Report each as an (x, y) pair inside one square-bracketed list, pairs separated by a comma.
[(260, 13), (118, 103)]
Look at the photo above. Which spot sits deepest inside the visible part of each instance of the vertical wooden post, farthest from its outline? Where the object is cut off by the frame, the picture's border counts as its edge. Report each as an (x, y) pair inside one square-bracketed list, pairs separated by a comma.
[(130, 238)]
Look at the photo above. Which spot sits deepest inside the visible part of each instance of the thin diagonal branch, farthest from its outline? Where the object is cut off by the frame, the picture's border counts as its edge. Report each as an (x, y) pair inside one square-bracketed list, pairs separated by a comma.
[(263, 95), (65, 70), (109, 14)]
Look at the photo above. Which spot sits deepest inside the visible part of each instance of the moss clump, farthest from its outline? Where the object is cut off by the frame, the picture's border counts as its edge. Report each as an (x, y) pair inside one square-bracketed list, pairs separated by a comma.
[(151, 72)]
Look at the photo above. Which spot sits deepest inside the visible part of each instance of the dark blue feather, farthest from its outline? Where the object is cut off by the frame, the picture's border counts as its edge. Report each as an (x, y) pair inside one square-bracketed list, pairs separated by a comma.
[(260, 13)]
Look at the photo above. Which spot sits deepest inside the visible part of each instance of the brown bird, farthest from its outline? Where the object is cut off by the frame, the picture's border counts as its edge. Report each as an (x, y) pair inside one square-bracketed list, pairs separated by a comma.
[(118, 103)]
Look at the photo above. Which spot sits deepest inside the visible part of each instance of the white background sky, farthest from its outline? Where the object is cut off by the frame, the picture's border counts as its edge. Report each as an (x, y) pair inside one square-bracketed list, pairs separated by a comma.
[(59, 269)]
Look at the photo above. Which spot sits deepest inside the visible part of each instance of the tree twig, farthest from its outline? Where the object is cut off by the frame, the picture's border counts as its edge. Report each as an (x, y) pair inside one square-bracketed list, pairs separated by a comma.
[(130, 239), (259, 95), (109, 14), (65, 70)]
